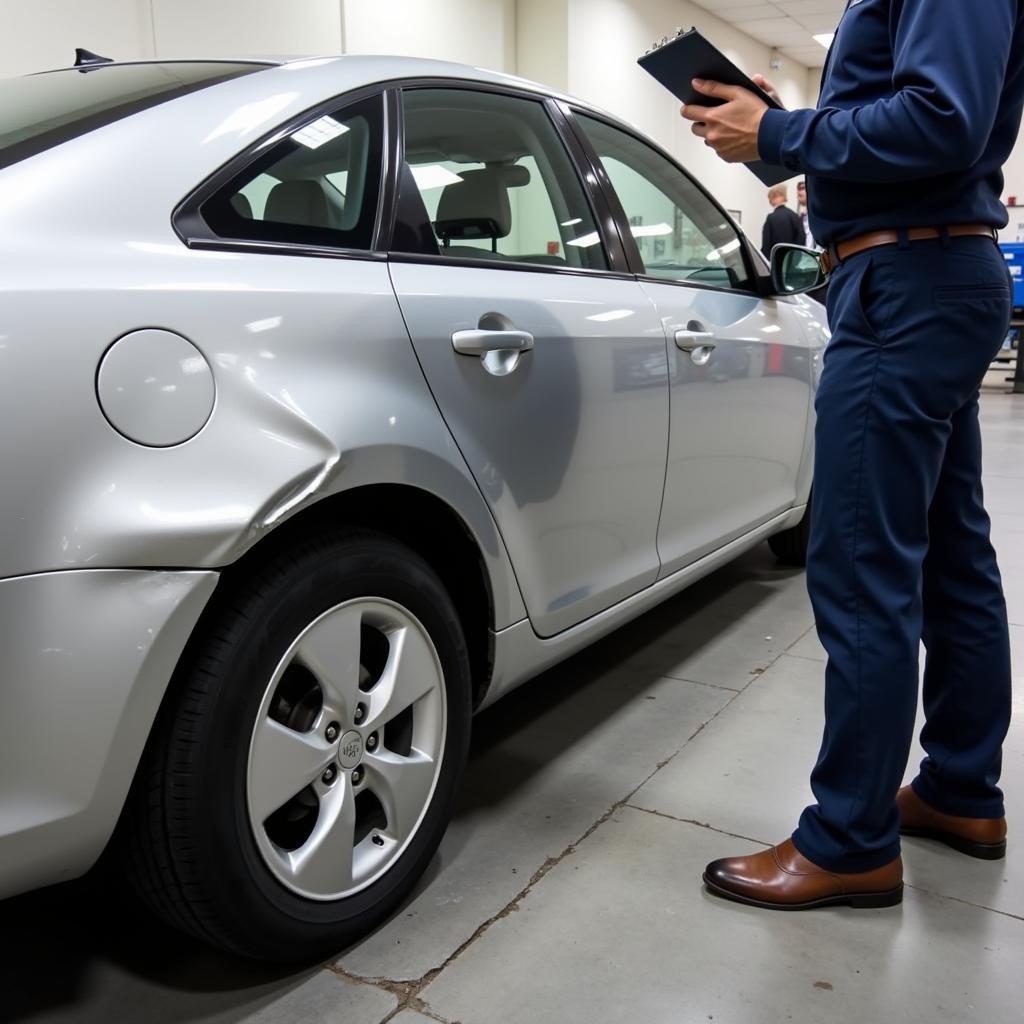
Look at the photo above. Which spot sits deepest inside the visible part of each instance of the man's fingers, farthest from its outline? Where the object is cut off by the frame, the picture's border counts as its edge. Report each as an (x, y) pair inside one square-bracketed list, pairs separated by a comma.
[(692, 112), (716, 89), (768, 87)]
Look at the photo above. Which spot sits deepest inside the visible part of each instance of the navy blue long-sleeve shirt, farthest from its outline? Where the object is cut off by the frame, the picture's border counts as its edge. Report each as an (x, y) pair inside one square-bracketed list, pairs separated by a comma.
[(920, 108)]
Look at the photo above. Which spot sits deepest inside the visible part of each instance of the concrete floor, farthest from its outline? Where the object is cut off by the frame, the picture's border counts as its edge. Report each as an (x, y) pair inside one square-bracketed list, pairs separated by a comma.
[(568, 888)]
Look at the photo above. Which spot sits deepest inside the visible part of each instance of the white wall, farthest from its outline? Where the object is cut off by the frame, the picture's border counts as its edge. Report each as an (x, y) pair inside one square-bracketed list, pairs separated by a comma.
[(542, 41), (40, 34), (245, 28), (477, 32), (1013, 172)]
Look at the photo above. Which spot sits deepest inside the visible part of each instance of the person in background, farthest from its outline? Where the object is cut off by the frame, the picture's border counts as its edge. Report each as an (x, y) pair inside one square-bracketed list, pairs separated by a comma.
[(805, 217), (782, 224)]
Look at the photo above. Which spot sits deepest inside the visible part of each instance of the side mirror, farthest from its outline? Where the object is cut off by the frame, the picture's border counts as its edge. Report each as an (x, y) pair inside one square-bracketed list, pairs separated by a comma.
[(796, 269)]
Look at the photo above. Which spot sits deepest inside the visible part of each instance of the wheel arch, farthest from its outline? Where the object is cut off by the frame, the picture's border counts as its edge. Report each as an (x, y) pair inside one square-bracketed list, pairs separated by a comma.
[(412, 516)]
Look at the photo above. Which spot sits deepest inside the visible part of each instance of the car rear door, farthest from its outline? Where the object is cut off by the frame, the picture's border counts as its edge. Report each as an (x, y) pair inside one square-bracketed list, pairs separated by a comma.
[(546, 357), (739, 368)]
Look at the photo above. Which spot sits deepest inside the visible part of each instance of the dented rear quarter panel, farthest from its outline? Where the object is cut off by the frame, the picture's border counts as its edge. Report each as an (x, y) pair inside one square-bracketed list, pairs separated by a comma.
[(317, 387)]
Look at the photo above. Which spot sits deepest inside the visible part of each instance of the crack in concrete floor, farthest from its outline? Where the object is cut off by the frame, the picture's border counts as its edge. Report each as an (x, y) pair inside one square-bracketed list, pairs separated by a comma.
[(408, 992)]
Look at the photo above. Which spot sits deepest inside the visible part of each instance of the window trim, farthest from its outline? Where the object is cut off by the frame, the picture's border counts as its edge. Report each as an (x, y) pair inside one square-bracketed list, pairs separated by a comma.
[(605, 206), (190, 226), (618, 267), (601, 210), (622, 221)]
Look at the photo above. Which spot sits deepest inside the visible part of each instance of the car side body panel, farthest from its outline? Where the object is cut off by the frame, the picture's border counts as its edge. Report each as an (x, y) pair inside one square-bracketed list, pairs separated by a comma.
[(318, 391), (738, 419), (110, 550), (568, 447)]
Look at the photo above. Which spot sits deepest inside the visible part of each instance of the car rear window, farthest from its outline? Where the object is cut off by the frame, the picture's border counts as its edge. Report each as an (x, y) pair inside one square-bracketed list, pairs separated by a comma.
[(40, 111)]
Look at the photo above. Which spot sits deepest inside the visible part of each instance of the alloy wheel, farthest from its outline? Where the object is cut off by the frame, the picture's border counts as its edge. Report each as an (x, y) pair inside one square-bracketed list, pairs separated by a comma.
[(346, 749)]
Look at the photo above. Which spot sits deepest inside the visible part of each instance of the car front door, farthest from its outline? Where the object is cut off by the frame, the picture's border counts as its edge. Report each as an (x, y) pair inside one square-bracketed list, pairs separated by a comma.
[(740, 376), (546, 359)]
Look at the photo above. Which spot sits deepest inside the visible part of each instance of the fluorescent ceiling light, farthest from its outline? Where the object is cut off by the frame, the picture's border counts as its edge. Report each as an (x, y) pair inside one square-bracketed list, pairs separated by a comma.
[(322, 130), (579, 220), (647, 230), (433, 176), (585, 241), (825, 38)]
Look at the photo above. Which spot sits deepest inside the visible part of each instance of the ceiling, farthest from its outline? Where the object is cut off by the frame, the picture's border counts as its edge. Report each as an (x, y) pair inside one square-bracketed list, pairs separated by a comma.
[(787, 25)]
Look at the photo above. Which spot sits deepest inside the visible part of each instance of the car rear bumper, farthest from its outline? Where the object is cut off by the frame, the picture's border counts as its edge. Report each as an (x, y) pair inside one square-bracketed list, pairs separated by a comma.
[(86, 658)]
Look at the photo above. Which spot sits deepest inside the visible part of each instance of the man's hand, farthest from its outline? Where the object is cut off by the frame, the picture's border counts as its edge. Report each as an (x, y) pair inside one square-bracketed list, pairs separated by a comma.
[(763, 83), (730, 129)]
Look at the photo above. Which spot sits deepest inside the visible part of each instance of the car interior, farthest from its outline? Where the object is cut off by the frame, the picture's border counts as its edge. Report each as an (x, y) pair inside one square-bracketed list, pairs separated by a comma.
[(311, 187), (485, 178), (490, 186)]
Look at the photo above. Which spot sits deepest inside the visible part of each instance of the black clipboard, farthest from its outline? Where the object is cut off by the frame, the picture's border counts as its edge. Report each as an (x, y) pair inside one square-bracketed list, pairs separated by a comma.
[(677, 62)]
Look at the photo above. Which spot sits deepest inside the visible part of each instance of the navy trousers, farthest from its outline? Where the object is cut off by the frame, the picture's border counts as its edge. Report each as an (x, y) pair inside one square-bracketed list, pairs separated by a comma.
[(900, 549)]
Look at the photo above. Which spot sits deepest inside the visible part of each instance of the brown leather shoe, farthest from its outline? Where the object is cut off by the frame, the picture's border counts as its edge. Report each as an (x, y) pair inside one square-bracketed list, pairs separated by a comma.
[(984, 838), (783, 879)]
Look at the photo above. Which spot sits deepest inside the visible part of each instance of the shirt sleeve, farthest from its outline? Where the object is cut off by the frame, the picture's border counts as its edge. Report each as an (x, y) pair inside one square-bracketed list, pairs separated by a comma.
[(950, 60)]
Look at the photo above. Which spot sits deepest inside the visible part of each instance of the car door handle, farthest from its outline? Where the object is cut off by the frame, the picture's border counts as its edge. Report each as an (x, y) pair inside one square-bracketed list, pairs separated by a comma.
[(696, 342), (480, 342), (691, 340)]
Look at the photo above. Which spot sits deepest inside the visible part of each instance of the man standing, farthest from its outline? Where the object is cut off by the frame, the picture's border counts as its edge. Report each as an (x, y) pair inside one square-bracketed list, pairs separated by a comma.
[(920, 107), (804, 214), (782, 224)]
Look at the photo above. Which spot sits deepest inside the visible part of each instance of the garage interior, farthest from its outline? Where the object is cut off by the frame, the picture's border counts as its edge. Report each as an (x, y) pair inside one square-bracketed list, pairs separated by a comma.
[(567, 889)]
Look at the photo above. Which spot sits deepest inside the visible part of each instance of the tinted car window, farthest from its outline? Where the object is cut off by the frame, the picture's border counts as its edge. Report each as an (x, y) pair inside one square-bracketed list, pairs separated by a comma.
[(41, 111), (319, 185), (486, 177), (680, 233)]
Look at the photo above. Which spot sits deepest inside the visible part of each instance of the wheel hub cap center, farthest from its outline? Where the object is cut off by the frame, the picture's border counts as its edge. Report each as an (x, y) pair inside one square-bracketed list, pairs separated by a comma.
[(350, 750)]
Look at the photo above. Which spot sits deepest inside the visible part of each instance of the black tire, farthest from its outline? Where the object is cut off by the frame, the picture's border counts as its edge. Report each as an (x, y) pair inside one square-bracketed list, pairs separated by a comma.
[(186, 842), (790, 546)]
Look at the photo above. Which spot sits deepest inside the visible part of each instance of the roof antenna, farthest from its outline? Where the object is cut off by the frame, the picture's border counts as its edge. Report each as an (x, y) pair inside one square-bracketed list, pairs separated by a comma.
[(86, 58)]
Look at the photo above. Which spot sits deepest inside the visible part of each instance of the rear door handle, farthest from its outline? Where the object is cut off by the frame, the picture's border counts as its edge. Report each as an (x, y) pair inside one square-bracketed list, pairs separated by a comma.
[(696, 342), (690, 341), (480, 342)]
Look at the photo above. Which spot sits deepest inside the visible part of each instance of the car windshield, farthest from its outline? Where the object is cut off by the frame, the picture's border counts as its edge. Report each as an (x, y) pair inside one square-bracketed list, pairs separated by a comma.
[(38, 112)]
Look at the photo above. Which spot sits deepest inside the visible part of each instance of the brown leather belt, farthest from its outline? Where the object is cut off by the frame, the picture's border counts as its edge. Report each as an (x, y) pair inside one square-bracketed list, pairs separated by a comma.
[(832, 257)]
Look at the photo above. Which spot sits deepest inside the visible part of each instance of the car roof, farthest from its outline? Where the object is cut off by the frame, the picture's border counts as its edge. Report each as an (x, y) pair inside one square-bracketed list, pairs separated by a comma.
[(180, 142), (369, 69)]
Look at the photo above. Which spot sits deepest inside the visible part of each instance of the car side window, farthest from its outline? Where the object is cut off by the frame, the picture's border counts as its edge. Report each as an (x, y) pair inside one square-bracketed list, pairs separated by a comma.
[(681, 234), (320, 185), (486, 177)]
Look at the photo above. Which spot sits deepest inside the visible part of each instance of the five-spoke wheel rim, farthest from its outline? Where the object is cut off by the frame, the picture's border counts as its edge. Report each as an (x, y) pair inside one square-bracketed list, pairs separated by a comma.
[(346, 749)]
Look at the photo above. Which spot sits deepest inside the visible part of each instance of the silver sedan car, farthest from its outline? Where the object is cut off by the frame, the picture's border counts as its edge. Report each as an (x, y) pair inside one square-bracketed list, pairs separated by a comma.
[(339, 397)]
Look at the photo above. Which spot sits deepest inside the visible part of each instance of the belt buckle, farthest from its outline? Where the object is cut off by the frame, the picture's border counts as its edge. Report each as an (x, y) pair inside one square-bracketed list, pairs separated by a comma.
[(826, 262)]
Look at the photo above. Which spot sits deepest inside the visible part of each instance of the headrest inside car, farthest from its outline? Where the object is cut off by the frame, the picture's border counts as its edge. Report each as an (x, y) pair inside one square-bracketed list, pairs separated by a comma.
[(241, 205), (297, 202), (478, 205)]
